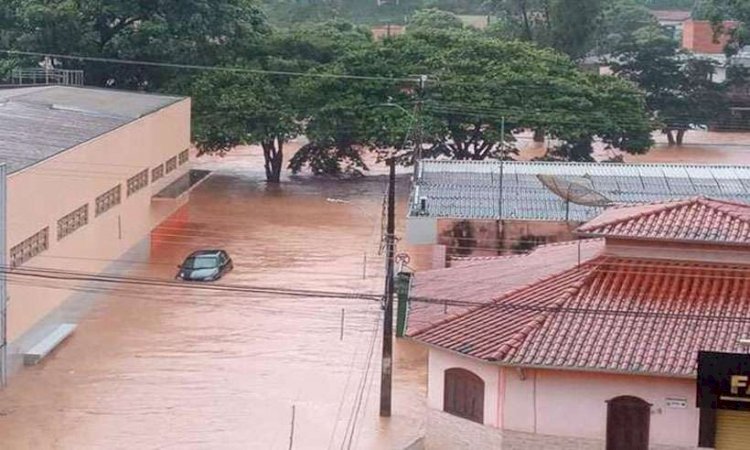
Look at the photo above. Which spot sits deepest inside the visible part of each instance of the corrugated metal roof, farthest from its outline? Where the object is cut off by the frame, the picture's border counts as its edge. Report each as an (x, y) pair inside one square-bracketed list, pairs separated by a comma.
[(36, 123), (472, 190)]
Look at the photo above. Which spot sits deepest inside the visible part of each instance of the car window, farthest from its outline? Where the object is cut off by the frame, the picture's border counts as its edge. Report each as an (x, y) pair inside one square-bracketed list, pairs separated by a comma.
[(201, 262)]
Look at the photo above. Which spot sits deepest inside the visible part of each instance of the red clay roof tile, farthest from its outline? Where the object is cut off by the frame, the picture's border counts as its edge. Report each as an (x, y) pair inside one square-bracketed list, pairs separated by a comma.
[(611, 314), (695, 220), (479, 280)]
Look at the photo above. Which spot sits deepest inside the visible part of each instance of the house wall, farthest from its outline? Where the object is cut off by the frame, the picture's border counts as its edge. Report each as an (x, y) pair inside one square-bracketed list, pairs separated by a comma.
[(540, 409), (440, 361), (490, 238), (40, 195), (698, 36), (558, 396)]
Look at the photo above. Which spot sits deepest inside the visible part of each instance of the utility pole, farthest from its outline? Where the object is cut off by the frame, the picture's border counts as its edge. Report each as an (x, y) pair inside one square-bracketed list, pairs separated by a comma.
[(418, 125), (3, 280), (390, 241)]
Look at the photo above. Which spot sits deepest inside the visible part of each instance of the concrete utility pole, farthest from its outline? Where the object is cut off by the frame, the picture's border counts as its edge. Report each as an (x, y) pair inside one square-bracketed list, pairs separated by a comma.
[(3, 286), (418, 124), (390, 241)]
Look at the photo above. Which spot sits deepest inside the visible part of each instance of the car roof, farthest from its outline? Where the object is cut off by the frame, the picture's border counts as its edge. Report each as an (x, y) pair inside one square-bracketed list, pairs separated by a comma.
[(205, 253)]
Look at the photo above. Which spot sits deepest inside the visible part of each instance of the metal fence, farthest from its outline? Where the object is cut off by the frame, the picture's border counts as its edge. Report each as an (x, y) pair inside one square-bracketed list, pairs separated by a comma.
[(39, 76)]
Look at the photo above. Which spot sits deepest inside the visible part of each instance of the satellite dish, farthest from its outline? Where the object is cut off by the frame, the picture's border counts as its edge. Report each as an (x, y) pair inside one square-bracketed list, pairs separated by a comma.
[(577, 190)]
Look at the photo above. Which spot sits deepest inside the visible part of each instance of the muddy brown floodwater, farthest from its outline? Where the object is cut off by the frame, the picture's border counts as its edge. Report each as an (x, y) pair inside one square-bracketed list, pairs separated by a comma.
[(186, 369), (207, 370)]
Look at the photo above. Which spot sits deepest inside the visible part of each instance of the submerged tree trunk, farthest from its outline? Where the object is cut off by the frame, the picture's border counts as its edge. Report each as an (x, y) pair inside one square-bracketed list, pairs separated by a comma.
[(680, 136), (273, 155), (670, 136)]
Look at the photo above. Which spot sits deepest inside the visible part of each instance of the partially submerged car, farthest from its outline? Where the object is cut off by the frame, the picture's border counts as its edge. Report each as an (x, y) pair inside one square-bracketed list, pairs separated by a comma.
[(205, 265)]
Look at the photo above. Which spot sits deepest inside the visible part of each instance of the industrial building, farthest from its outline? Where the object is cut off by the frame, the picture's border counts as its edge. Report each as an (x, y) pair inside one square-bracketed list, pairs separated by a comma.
[(488, 208), (90, 173)]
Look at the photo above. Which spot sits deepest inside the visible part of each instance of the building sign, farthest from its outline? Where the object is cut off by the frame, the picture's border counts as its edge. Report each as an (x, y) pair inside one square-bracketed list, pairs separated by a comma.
[(677, 403), (724, 381)]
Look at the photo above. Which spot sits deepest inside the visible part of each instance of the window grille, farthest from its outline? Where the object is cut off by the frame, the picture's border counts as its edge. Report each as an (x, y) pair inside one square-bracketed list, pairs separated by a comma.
[(30, 247), (108, 200), (73, 221), (137, 182)]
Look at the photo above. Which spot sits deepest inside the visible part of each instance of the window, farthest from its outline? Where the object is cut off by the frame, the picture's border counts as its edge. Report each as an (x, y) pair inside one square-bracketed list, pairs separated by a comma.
[(108, 200), (171, 164), (157, 172), (137, 182), (73, 221), (184, 157), (463, 395), (628, 422), (29, 248)]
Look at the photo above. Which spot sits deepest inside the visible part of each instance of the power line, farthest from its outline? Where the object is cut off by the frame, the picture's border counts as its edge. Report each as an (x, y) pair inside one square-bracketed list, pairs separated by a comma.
[(68, 275), (209, 68), (585, 271)]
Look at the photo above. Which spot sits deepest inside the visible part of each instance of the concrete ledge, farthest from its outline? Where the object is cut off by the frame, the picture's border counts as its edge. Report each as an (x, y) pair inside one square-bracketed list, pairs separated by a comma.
[(46, 345)]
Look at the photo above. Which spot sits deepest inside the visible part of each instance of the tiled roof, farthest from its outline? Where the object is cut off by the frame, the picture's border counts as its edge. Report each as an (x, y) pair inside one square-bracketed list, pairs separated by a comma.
[(610, 314), (696, 219), (479, 280), (37, 123), (512, 190)]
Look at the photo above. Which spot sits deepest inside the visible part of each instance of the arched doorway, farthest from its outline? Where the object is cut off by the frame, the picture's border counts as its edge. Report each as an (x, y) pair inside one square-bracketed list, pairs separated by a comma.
[(628, 423), (463, 395)]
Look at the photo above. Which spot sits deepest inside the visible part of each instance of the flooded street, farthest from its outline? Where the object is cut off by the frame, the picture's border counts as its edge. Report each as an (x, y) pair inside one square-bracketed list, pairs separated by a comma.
[(160, 367), (186, 368)]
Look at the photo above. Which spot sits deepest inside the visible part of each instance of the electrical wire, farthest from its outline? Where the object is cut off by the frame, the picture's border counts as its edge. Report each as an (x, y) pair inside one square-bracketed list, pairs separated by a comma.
[(209, 68), (354, 415)]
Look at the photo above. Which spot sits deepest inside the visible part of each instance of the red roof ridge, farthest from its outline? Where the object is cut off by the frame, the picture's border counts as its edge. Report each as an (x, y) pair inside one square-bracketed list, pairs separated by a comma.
[(667, 206), (538, 321), (711, 202)]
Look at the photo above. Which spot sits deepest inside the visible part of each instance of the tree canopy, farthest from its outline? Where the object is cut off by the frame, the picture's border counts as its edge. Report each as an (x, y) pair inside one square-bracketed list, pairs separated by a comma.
[(719, 10), (479, 90), (680, 92), (569, 26), (198, 31)]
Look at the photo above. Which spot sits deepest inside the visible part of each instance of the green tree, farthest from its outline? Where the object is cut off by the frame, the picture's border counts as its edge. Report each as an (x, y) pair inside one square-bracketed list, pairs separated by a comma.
[(194, 31), (620, 20), (273, 109), (345, 117), (569, 26), (436, 19), (231, 109), (719, 10), (478, 92), (679, 89)]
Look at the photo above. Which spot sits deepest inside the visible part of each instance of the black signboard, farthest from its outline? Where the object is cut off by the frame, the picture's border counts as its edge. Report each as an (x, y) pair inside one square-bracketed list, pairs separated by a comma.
[(724, 381)]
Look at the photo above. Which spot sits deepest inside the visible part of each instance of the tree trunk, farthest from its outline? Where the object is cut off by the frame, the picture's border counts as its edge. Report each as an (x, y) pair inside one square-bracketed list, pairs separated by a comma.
[(670, 137), (273, 156), (680, 136), (539, 135)]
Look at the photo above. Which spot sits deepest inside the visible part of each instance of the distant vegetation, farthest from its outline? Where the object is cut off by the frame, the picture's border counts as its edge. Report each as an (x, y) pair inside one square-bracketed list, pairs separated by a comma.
[(523, 73)]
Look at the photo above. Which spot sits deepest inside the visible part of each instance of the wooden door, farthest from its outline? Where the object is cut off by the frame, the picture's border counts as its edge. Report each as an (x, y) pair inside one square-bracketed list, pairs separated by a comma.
[(628, 423), (463, 395)]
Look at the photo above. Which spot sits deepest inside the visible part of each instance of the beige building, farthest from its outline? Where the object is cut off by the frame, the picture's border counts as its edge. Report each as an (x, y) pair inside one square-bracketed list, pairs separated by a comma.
[(90, 173)]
